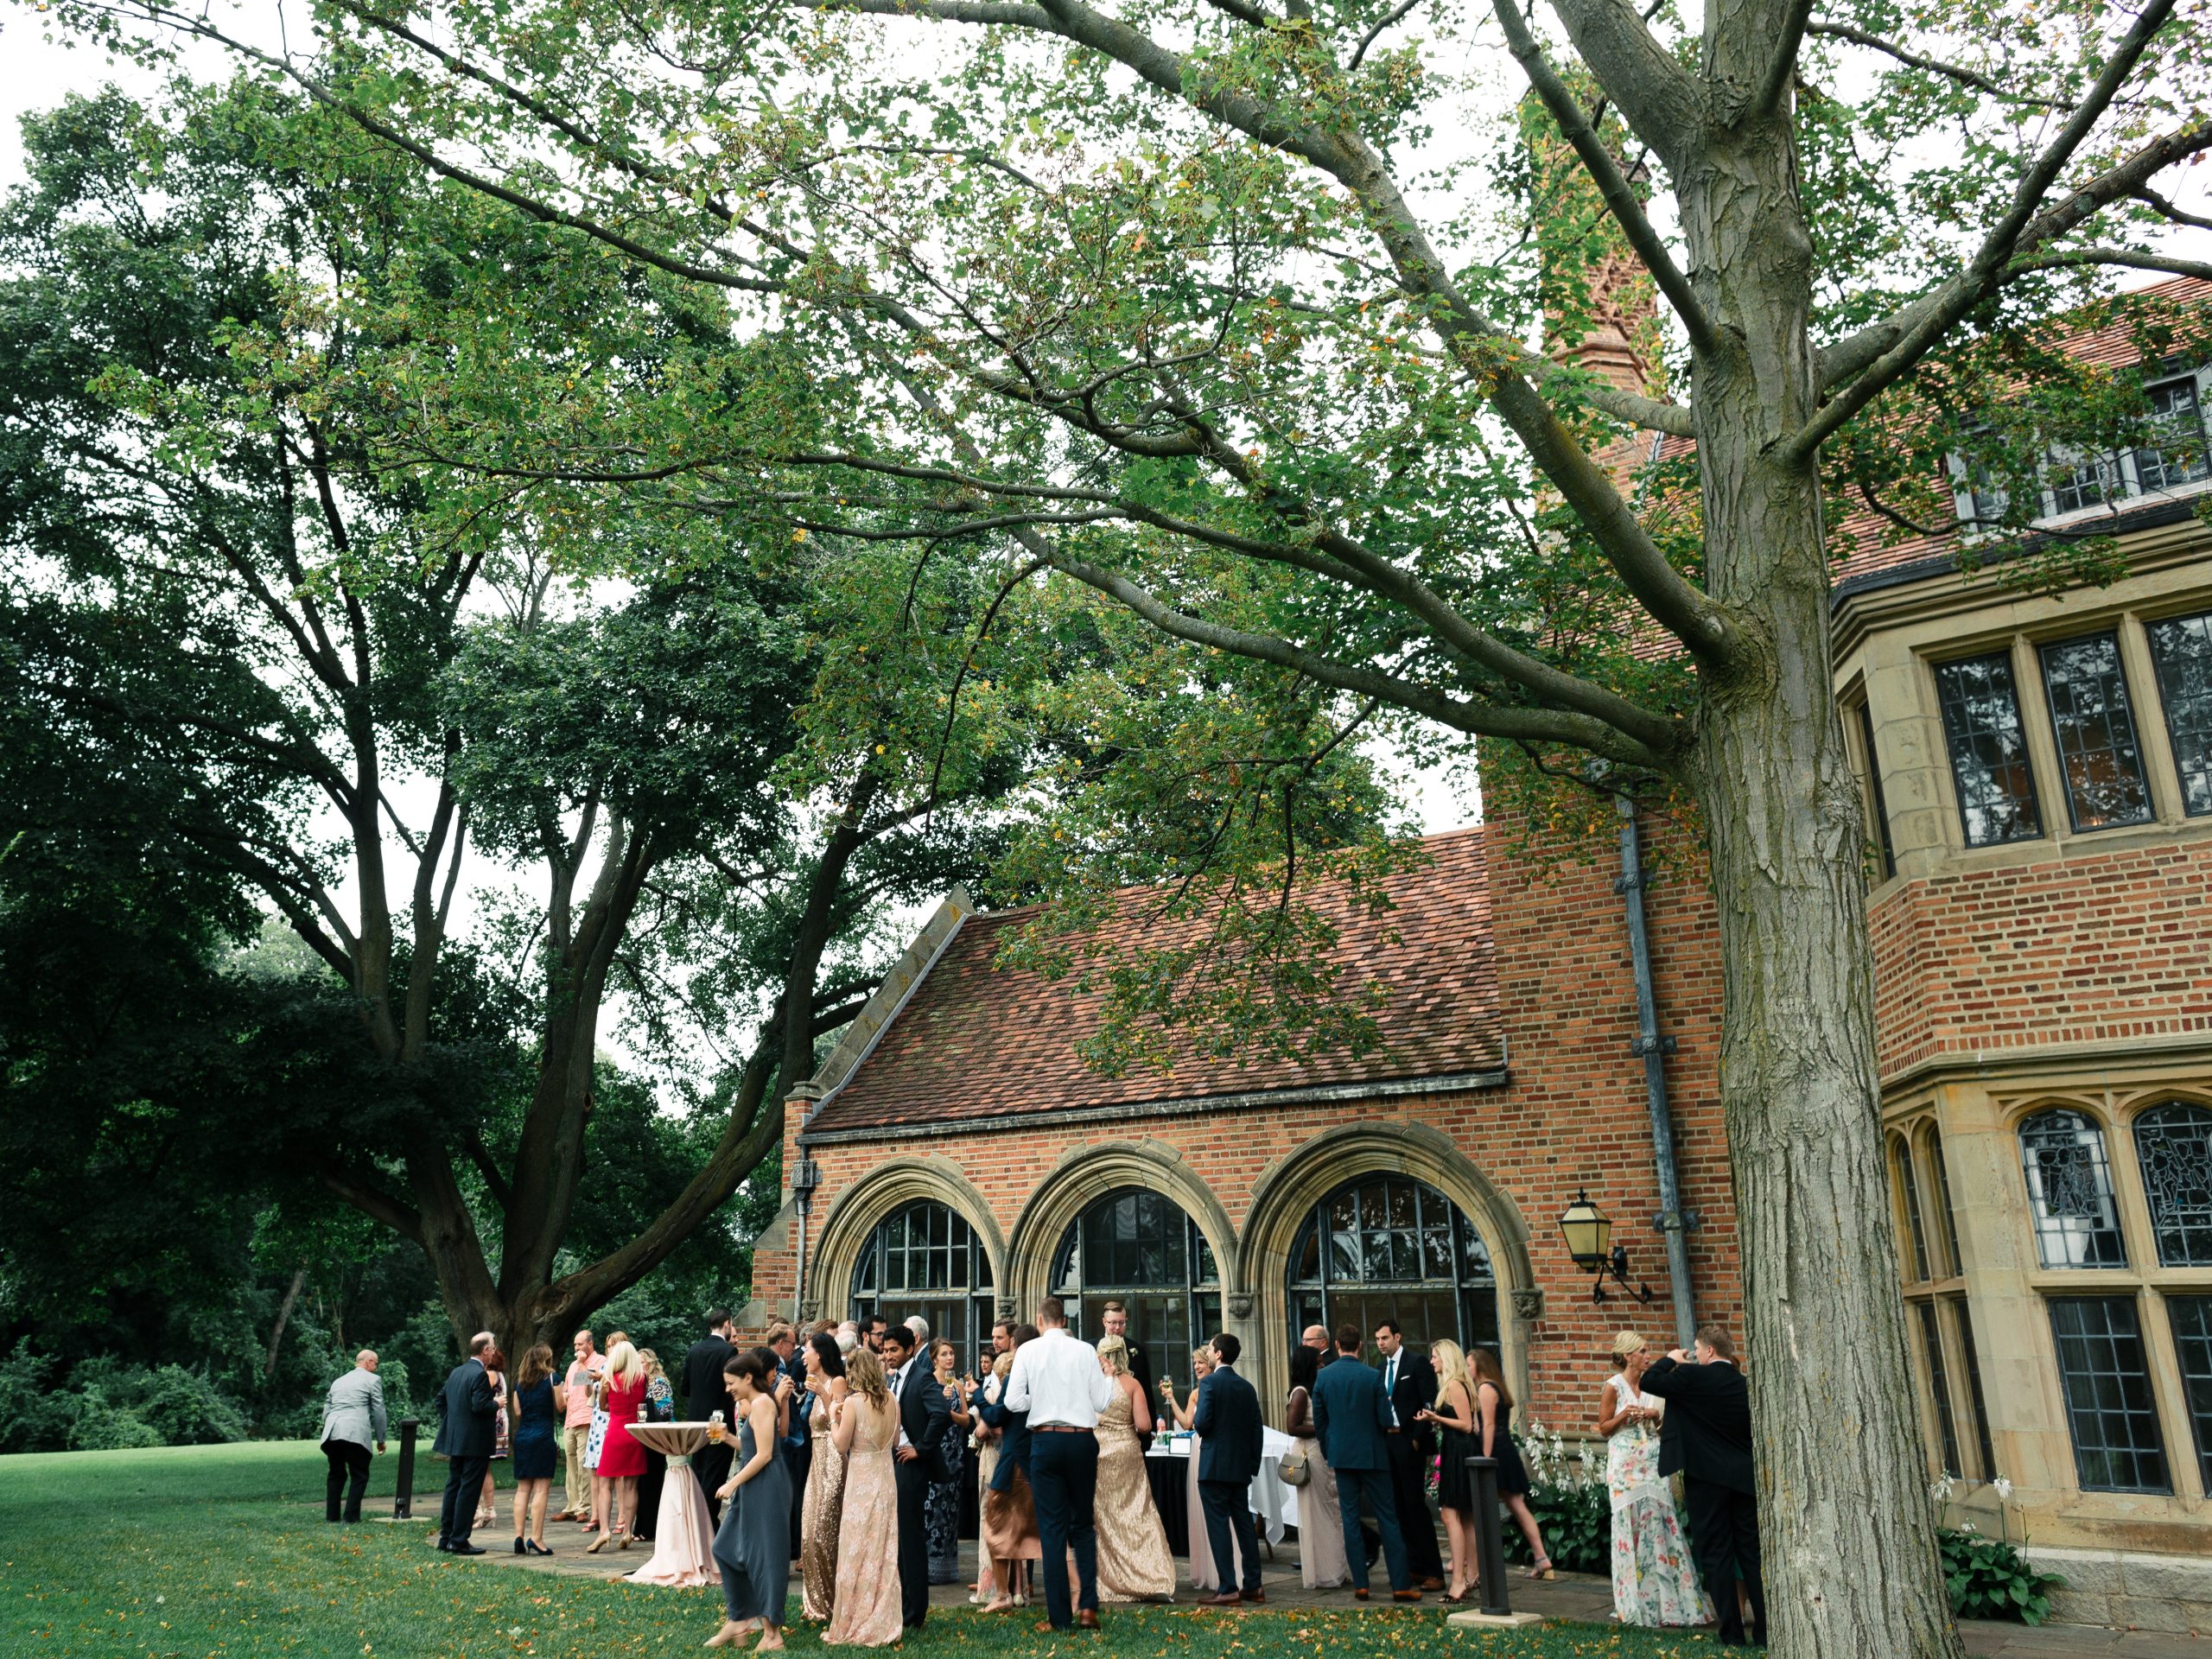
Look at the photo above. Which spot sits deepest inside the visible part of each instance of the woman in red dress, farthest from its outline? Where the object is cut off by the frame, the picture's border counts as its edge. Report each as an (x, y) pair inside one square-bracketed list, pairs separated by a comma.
[(621, 1460)]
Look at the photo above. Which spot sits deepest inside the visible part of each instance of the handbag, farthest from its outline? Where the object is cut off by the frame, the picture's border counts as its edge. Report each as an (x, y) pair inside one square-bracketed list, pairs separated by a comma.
[(1296, 1471)]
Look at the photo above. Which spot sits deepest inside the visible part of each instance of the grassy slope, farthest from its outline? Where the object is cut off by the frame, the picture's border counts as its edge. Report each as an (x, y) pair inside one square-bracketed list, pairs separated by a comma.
[(222, 1550)]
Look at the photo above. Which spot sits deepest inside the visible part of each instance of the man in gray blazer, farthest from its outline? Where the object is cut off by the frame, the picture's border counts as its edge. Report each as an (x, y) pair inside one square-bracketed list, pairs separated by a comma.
[(353, 1416), (1351, 1416)]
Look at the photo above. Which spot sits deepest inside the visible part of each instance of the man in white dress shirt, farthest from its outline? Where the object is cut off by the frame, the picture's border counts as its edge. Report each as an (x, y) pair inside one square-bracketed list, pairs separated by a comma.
[(1058, 1382)]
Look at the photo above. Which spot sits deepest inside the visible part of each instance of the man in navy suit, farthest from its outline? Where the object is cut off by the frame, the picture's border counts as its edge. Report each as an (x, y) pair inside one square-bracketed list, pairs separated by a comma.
[(1228, 1424), (1351, 1416), (466, 1427)]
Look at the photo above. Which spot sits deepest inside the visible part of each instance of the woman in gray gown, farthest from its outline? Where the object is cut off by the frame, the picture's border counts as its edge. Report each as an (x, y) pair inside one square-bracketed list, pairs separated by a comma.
[(753, 1545)]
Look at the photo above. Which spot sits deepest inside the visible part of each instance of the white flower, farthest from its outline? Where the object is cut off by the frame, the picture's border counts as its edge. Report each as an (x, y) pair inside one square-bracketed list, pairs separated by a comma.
[(1940, 1487), (2004, 1488)]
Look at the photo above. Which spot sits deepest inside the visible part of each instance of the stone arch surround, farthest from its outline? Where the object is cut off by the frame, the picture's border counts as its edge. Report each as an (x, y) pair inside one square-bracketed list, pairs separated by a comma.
[(1087, 1172), (857, 1211), (1284, 1195)]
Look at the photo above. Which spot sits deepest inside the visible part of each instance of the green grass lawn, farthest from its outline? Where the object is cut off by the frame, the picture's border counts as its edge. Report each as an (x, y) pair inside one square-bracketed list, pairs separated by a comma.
[(223, 1550)]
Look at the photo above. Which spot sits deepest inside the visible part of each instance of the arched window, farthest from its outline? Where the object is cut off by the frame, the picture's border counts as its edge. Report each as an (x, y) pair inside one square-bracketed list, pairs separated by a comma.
[(1931, 1142), (924, 1258), (1908, 1191), (2173, 1144), (1389, 1247), (2070, 1191), (1141, 1250)]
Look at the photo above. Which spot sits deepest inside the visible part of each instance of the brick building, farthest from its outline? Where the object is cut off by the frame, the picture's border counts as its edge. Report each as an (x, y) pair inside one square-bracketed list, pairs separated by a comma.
[(2038, 788)]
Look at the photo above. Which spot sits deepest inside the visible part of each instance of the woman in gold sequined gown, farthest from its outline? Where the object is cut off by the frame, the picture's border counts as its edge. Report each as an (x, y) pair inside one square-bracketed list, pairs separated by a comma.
[(867, 1611), (825, 1481), (1134, 1563)]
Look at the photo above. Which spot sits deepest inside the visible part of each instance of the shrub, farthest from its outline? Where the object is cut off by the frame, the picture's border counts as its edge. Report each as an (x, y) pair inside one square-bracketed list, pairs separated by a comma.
[(1989, 1578), (1567, 1496)]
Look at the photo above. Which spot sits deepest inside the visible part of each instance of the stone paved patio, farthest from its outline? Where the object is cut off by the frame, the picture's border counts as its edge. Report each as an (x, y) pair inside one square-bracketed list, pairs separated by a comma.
[(1571, 1595)]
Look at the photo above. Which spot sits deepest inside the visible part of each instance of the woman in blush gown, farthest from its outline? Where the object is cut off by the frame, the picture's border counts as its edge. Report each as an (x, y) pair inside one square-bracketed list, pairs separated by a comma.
[(1203, 1576), (1321, 1564), (866, 1611), (1134, 1563), (825, 1480)]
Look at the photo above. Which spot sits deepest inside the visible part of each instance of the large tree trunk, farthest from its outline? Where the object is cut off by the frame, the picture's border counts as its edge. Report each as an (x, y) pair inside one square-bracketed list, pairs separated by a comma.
[(1846, 1524)]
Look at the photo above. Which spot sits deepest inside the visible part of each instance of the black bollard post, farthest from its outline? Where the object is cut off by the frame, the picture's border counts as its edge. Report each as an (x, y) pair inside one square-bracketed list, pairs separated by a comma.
[(1490, 1537), (405, 1494)]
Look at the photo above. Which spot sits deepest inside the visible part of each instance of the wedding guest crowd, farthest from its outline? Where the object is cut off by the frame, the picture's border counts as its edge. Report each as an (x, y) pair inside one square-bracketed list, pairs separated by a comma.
[(841, 1448)]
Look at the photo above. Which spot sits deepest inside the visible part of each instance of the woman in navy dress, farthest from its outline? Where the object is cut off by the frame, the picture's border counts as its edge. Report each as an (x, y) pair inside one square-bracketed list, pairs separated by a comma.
[(753, 1545), (538, 1404)]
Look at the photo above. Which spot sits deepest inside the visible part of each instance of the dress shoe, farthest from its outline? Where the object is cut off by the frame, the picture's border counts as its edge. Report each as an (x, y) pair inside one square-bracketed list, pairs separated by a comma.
[(1087, 1618), (1360, 1594), (1431, 1583), (1405, 1595), (1046, 1627), (1253, 1595), (464, 1547), (1226, 1598)]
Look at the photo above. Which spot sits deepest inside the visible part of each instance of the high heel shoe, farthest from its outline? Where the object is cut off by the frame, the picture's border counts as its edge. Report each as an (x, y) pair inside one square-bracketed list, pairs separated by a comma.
[(1541, 1569), (597, 1544), (537, 1548), (519, 1550), (622, 1541)]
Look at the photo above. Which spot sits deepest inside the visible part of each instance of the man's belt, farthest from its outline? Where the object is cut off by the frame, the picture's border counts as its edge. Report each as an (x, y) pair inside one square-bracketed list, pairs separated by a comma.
[(1057, 1428)]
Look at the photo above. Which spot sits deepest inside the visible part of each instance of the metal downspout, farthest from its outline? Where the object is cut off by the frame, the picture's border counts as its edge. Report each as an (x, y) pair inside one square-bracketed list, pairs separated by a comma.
[(1655, 1049)]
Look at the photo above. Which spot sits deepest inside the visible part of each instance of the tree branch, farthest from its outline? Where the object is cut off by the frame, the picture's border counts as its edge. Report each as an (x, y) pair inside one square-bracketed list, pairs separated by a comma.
[(1986, 271), (1475, 718), (1596, 161), (1359, 51), (1959, 73), (2124, 258), (1855, 354), (1782, 71), (362, 1193)]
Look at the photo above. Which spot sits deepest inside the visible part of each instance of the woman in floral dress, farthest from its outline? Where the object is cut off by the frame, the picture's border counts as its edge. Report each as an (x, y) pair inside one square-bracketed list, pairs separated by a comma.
[(1655, 1581)]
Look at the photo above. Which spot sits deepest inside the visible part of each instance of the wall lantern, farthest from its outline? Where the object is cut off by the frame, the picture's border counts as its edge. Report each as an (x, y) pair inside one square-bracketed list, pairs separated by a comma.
[(1589, 1241)]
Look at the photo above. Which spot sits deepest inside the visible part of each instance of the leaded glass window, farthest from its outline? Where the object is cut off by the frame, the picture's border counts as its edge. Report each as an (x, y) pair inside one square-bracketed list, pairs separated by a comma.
[(1909, 1196), (2191, 1318), (1877, 804), (1939, 1382), (1932, 1142), (1141, 1250), (1989, 750), (924, 1259), (2177, 419), (2173, 1148), (1389, 1247), (2097, 752), (2117, 1444), (2181, 649), (2076, 483), (1974, 1399), (2070, 1191)]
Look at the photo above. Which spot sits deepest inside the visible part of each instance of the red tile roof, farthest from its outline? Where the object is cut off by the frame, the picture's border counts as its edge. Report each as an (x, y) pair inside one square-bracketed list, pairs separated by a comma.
[(977, 1041)]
